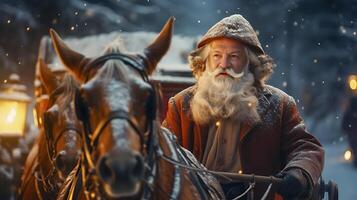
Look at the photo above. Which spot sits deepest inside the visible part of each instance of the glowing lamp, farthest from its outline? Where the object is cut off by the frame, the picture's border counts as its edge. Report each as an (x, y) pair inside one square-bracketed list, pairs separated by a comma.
[(13, 107), (347, 155), (352, 82)]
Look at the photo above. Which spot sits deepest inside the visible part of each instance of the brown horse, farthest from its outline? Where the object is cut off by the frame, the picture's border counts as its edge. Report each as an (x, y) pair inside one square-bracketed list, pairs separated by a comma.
[(58, 146), (117, 104)]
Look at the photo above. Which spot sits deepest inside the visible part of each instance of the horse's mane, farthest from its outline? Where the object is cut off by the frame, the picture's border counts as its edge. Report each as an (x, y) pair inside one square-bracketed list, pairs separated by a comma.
[(67, 89), (117, 46)]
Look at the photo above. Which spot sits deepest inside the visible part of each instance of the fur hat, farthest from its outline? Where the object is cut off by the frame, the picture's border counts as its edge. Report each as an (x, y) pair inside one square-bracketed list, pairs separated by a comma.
[(238, 28), (235, 27)]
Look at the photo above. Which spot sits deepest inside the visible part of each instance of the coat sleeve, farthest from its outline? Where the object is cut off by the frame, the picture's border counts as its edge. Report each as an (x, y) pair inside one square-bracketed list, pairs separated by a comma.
[(299, 148), (172, 120)]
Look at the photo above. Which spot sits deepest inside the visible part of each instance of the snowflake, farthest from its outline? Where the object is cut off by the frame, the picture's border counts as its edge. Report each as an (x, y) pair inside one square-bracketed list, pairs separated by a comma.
[(315, 60), (285, 84), (295, 23), (8, 21), (343, 29)]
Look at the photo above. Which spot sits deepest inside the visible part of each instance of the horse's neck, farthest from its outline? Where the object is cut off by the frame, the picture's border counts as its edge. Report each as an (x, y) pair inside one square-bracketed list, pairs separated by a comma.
[(44, 161), (176, 182), (168, 177)]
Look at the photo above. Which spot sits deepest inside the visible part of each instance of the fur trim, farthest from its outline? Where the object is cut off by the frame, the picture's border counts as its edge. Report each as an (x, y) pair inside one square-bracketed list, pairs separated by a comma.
[(263, 71)]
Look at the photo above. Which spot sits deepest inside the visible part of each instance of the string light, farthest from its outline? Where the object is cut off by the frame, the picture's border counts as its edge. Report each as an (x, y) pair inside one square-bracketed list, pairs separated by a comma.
[(218, 123), (348, 155)]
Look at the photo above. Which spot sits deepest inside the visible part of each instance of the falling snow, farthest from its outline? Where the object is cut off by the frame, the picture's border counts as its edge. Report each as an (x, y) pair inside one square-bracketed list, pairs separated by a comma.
[(310, 64)]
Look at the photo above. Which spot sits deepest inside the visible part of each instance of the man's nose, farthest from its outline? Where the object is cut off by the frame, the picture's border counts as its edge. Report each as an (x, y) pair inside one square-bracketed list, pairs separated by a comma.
[(224, 62)]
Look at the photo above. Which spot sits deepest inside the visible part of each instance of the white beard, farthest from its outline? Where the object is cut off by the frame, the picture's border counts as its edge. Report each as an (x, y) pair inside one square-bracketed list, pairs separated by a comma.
[(224, 97)]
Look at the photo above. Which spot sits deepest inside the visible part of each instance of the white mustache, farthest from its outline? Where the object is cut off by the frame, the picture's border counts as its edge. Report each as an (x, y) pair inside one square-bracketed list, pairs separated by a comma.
[(228, 71)]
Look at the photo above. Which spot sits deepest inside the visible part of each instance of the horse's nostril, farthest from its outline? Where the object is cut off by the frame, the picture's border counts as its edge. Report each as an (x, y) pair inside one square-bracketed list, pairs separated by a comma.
[(138, 169), (104, 170), (59, 161), (65, 162)]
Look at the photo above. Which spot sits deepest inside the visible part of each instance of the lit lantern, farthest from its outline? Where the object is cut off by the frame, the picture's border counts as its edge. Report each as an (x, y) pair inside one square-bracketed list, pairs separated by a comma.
[(347, 155), (352, 82), (13, 107)]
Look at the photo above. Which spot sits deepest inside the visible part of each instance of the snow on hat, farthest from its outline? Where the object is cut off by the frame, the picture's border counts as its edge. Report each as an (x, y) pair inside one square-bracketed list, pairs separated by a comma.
[(235, 27)]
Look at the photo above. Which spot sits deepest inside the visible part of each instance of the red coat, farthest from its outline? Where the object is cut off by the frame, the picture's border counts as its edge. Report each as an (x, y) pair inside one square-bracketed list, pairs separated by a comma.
[(279, 141)]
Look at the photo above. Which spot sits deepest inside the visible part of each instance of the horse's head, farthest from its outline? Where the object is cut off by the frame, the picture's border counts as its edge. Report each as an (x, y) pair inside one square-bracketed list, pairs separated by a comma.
[(61, 125), (116, 102)]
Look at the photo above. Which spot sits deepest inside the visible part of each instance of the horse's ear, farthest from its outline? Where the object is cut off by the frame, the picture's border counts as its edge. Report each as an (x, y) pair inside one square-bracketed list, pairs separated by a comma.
[(73, 60), (157, 49), (47, 77)]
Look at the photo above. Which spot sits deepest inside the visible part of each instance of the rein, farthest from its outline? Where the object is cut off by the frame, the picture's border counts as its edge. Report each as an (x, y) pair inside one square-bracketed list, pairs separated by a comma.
[(252, 178)]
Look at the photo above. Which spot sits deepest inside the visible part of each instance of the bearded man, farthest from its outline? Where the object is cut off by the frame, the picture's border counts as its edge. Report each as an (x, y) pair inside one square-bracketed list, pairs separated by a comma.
[(232, 121)]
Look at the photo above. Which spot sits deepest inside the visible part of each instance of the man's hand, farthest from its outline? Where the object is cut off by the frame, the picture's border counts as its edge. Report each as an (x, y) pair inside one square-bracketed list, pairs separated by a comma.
[(294, 183)]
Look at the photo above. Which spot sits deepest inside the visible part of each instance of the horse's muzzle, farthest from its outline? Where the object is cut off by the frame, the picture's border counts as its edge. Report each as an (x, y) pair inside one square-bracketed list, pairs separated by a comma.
[(124, 167), (66, 161)]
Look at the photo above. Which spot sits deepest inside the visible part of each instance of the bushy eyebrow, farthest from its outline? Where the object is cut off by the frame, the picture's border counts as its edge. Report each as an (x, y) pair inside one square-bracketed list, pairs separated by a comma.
[(232, 52)]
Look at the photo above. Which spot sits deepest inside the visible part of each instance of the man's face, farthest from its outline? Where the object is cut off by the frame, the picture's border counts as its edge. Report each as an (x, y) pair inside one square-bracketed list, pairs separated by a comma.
[(227, 54)]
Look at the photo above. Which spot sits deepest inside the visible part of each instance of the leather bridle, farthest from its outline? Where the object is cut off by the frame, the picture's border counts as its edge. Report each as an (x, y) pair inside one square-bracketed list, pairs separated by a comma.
[(91, 136), (52, 142)]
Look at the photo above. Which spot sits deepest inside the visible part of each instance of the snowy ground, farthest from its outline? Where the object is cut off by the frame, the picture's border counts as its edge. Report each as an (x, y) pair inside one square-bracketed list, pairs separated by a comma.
[(340, 170)]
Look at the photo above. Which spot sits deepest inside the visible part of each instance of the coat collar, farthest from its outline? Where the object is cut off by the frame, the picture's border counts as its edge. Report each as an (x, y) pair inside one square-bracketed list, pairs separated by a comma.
[(263, 96)]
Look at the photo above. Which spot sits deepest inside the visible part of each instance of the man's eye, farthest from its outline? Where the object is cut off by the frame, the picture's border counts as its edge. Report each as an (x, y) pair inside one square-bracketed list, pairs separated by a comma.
[(216, 55), (235, 56)]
